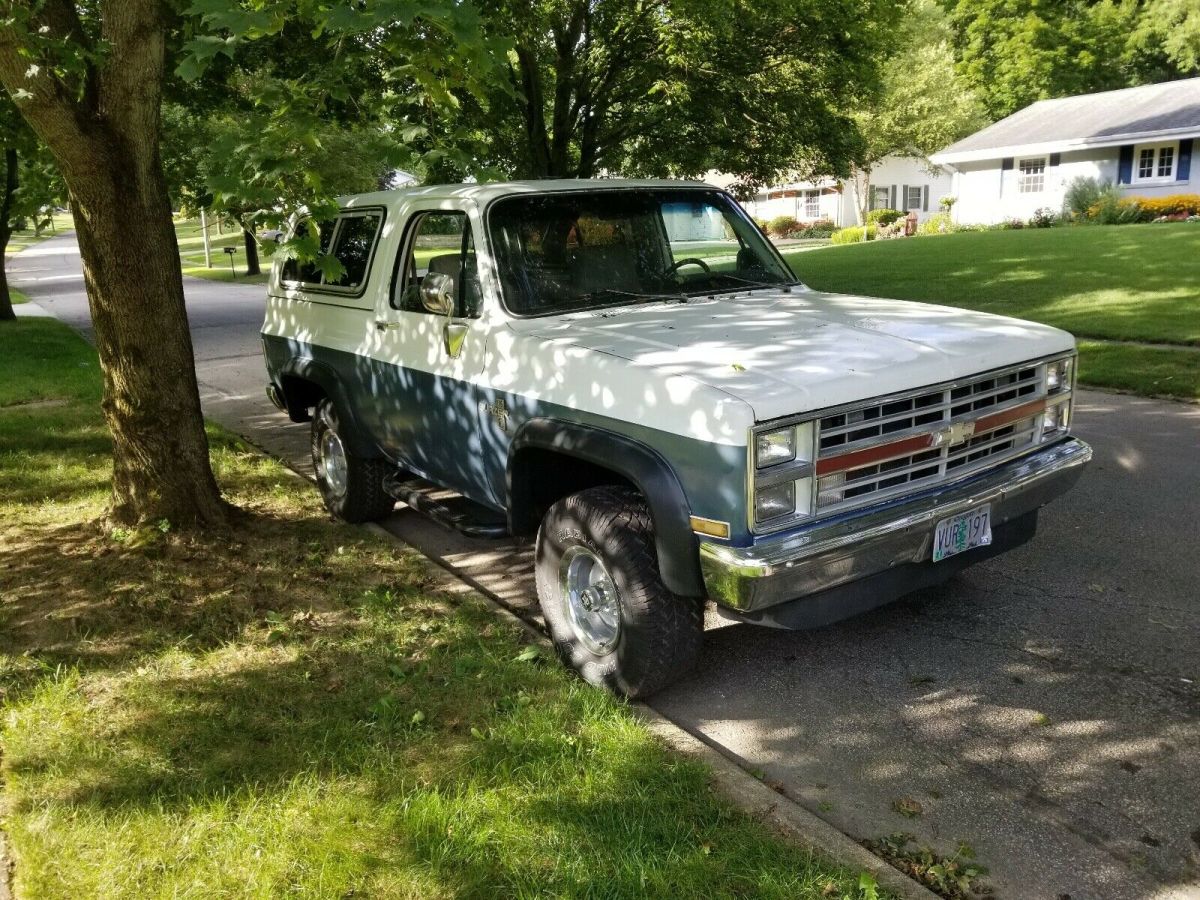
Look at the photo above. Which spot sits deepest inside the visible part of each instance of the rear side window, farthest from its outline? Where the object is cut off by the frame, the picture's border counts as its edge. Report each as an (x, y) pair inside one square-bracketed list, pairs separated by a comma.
[(355, 243), (351, 240), (294, 270)]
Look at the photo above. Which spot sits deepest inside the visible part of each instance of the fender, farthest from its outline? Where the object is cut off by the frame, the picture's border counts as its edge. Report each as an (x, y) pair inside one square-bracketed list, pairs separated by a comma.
[(676, 543), (327, 379)]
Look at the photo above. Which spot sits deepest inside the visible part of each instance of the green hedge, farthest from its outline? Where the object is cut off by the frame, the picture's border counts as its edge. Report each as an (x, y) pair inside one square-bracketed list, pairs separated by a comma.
[(853, 235)]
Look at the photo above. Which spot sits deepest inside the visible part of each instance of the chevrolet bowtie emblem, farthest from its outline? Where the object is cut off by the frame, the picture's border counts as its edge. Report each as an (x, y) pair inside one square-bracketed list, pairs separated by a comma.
[(954, 434)]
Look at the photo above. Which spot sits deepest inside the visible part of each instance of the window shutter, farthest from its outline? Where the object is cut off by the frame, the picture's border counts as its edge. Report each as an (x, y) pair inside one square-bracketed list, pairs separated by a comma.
[(925, 200), (1006, 164), (1184, 166), (1055, 159), (903, 198), (1125, 165), (893, 205)]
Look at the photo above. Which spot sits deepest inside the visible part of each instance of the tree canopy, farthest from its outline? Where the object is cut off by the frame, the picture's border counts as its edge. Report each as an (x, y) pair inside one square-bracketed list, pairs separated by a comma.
[(924, 103), (1014, 52), (649, 88)]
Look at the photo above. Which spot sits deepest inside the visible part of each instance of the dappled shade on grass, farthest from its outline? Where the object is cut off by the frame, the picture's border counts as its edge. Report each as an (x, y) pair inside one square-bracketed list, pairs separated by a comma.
[(292, 708), (1132, 282)]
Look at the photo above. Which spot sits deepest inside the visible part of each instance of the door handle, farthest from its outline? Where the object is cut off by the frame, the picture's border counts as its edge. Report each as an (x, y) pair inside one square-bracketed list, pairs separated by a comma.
[(383, 325)]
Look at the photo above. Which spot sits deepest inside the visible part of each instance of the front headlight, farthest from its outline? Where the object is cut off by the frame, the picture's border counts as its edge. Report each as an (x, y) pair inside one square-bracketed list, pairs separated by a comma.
[(775, 501), (1058, 375), (1056, 419), (781, 474), (774, 447)]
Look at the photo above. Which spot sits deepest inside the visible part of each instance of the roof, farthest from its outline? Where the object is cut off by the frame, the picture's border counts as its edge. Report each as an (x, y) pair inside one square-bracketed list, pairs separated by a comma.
[(488, 191), (1107, 119)]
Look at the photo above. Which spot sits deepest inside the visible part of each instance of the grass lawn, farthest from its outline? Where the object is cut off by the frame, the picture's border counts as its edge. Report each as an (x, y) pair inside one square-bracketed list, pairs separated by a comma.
[(27, 237), (191, 254), (1130, 282), (290, 708)]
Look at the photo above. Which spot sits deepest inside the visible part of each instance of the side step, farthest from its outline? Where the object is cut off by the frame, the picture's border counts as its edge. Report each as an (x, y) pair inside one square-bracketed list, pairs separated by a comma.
[(473, 521)]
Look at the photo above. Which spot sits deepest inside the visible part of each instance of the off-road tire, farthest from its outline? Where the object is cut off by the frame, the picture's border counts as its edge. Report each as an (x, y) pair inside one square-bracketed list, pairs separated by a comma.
[(660, 633), (363, 499)]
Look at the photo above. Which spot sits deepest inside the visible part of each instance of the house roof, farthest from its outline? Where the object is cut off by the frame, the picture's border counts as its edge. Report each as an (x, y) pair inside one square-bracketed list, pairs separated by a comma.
[(1107, 119)]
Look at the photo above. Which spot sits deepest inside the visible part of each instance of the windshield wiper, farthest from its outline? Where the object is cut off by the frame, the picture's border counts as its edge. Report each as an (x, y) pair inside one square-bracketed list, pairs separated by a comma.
[(595, 296), (786, 285)]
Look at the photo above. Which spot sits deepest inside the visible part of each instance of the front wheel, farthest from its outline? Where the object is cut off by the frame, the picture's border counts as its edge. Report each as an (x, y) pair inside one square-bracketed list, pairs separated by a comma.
[(351, 486), (606, 608)]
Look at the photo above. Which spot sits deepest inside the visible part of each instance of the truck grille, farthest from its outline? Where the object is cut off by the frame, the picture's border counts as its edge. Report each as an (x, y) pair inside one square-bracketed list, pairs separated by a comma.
[(899, 444)]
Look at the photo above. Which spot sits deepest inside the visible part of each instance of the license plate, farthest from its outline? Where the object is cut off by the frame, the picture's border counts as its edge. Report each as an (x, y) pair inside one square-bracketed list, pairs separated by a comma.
[(962, 532)]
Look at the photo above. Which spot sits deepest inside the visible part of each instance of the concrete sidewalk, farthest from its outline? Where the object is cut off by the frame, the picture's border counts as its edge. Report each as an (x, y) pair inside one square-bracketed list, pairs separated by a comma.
[(1043, 708)]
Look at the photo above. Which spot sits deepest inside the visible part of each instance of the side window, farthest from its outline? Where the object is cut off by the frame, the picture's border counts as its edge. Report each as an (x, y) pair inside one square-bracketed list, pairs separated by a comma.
[(294, 270), (442, 243), (353, 248)]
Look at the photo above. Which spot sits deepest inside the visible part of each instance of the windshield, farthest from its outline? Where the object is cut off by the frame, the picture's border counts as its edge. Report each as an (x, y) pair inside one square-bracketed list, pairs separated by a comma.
[(582, 250)]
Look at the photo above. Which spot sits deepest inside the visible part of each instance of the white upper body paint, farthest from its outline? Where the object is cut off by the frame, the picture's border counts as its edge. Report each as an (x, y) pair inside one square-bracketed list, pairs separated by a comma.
[(708, 369)]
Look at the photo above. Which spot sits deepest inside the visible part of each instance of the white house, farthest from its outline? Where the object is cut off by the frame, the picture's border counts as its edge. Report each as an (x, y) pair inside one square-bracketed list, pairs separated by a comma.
[(898, 182), (1139, 138)]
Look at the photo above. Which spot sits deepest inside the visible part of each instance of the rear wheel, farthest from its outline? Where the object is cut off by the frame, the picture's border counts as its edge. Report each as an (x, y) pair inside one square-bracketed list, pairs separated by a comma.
[(351, 486), (607, 610)]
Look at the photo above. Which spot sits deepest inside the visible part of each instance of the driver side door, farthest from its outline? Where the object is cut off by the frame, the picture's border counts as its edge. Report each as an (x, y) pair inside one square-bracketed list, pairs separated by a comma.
[(428, 364)]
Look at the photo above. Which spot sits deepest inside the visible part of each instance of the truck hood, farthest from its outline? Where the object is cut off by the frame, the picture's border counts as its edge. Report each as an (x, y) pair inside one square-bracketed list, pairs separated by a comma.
[(785, 352)]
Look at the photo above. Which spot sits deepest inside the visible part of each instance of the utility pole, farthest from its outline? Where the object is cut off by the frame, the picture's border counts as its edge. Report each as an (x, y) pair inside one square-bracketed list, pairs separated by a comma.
[(204, 231)]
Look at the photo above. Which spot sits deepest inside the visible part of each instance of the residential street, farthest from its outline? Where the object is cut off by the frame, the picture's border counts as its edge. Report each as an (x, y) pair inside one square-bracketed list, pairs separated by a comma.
[(1043, 708)]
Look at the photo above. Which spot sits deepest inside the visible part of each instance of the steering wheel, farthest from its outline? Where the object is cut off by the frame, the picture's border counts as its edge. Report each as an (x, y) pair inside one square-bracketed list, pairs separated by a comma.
[(690, 261)]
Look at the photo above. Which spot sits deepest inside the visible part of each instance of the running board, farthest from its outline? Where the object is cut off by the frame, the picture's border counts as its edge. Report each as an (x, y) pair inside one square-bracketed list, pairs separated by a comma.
[(398, 485)]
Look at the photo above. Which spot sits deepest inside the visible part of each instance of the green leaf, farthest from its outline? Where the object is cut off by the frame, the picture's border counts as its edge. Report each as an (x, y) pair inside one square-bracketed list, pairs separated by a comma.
[(529, 654)]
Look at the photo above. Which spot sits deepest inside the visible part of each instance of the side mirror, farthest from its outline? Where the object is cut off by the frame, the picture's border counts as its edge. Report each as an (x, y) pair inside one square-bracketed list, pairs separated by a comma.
[(437, 293)]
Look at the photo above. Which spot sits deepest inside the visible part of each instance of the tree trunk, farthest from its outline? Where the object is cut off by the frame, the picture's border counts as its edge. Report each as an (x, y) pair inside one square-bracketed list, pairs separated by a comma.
[(106, 142), (6, 308), (533, 108), (10, 188), (251, 242), (151, 398)]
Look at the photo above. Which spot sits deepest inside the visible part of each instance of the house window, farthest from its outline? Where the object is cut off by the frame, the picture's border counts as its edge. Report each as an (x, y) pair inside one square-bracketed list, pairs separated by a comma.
[(912, 197), (1146, 163), (1032, 175), (881, 198), (812, 204), (1156, 162)]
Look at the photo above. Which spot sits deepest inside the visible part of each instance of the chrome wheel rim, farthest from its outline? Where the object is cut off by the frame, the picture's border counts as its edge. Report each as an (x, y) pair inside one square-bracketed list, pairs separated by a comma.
[(590, 600), (332, 462)]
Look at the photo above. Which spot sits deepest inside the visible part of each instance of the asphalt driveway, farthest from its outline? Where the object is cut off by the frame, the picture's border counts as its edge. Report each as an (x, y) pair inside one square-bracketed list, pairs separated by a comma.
[(1042, 708)]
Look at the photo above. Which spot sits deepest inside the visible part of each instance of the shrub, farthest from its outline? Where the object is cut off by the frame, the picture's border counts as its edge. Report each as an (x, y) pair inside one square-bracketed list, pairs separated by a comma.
[(1114, 209), (821, 228), (945, 204), (938, 223), (1043, 218), (853, 234), (761, 223), (1012, 224), (1081, 195), (883, 216), (781, 226)]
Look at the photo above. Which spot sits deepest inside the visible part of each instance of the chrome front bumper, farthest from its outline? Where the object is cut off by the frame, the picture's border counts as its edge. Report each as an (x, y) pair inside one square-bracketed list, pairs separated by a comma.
[(847, 548)]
